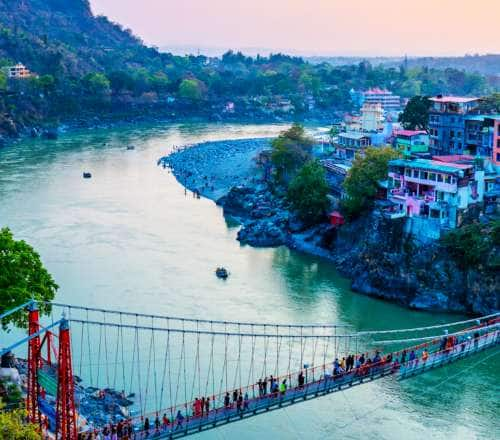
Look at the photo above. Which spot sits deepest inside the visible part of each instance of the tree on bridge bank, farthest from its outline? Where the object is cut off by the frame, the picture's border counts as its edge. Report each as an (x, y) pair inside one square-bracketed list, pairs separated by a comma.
[(13, 426), (22, 277)]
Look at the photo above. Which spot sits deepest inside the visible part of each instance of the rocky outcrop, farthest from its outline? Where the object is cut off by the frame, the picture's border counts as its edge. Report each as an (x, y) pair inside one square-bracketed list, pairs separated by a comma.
[(382, 261)]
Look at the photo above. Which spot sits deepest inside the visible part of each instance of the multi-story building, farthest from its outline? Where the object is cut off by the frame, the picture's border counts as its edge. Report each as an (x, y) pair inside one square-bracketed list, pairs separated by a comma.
[(385, 98), (447, 123), (496, 142), (481, 135), (411, 142), (350, 143), (438, 191), (372, 117), (19, 71)]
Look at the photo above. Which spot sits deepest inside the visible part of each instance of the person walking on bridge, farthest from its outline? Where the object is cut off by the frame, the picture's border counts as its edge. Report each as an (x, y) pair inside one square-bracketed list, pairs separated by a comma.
[(300, 380), (179, 418)]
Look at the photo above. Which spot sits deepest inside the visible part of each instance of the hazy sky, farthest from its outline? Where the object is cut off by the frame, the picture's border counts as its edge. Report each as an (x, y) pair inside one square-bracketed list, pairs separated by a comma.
[(344, 27)]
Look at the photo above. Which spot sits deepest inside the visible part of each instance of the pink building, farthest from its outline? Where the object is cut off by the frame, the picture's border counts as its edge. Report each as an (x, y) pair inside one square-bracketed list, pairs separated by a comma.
[(496, 142)]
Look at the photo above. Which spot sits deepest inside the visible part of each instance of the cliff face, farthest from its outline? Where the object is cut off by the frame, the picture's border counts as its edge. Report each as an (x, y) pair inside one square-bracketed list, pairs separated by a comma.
[(381, 261)]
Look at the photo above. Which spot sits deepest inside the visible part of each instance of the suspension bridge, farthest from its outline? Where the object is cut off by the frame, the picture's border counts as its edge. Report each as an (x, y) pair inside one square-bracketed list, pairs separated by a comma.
[(91, 372)]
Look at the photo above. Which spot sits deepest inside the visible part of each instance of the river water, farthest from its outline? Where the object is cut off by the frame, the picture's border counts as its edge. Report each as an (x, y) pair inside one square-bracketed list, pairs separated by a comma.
[(129, 238)]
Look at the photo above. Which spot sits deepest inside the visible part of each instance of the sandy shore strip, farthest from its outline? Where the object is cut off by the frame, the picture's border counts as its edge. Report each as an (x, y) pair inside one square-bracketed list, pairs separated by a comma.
[(213, 168)]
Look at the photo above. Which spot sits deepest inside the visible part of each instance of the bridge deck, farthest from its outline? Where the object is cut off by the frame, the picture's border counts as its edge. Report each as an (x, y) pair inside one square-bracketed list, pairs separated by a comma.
[(318, 388)]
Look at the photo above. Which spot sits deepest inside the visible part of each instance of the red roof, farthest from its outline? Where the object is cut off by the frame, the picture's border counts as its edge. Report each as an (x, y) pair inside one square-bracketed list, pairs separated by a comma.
[(453, 158), (460, 166), (409, 132), (457, 99)]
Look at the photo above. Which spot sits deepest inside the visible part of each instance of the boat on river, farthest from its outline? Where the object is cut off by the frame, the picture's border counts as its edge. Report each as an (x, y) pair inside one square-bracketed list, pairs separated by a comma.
[(222, 273)]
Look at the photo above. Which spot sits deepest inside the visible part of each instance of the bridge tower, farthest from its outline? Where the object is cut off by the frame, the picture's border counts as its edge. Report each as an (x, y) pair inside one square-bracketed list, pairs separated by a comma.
[(66, 428), (33, 364)]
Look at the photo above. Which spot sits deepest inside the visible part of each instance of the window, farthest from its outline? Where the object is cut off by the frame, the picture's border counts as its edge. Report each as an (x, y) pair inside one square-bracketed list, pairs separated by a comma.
[(415, 173), (498, 143), (439, 195), (432, 176), (424, 175), (452, 133), (459, 134), (439, 177), (447, 179), (407, 172), (498, 157)]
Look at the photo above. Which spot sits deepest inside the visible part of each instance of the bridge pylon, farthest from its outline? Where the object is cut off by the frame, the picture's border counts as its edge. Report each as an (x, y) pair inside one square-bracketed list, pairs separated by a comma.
[(33, 365), (66, 427)]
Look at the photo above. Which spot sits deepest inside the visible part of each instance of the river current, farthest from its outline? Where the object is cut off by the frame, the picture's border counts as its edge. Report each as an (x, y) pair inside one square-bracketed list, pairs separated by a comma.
[(129, 238)]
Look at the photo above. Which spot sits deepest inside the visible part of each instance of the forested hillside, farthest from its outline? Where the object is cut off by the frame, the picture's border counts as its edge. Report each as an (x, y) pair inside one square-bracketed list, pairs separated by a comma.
[(87, 67)]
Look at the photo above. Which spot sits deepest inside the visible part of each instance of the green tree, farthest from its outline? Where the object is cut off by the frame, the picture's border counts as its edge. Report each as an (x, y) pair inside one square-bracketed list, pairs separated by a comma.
[(3, 80), (308, 193), (416, 113), (290, 151), (96, 84), (22, 277), (13, 427), (192, 89), (361, 183)]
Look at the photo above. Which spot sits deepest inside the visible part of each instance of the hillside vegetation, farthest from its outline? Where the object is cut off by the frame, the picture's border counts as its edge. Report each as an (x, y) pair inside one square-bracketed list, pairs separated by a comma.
[(88, 66)]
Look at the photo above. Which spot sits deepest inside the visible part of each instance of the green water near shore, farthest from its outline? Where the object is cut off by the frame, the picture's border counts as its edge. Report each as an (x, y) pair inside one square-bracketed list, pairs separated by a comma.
[(129, 238)]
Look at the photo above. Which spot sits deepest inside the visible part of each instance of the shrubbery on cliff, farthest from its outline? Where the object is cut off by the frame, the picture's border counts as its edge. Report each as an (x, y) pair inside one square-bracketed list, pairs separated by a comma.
[(474, 245)]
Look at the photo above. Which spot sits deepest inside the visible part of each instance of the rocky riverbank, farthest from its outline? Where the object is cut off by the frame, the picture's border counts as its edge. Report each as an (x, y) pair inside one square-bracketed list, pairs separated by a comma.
[(372, 251)]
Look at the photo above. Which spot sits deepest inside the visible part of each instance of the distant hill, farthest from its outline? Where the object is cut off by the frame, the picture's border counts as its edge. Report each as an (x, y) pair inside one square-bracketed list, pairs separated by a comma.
[(485, 64), (62, 36)]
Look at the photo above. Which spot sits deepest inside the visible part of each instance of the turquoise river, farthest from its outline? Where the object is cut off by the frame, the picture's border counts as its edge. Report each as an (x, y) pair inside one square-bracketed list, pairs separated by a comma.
[(130, 239)]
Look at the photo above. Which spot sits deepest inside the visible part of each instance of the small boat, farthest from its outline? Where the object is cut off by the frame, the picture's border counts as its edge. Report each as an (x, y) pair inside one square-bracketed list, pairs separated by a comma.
[(221, 273), (87, 175), (130, 147)]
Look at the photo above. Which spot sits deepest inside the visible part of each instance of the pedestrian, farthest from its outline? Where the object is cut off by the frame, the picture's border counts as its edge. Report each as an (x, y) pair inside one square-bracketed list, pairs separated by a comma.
[(179, 418), (283, 387), (259, 383), (301, 380), (157, 423), (245, 401), (146, 426), (412, 357), (403, 357), (227, 401), (239, 403), (264, 386), (166, 421), (202, 406), (207, 405), (235, 396)]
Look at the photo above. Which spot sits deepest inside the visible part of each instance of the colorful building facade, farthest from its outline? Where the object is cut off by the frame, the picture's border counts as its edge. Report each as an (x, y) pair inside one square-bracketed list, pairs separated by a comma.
[(447, 123), (434, 190), (411, 142)]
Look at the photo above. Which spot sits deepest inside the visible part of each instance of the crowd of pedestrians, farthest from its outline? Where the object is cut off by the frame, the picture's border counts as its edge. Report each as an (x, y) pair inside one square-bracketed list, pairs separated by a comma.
[(347, 367)]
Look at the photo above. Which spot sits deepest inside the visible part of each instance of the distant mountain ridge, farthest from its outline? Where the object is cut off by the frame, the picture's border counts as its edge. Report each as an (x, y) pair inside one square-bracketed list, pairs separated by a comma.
[(488, 64)]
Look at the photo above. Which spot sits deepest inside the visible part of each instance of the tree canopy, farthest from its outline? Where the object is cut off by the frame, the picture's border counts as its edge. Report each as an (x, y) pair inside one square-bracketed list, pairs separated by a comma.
[(416, 113), (290, 150), (308, 193), (362, 181), (22, 277), (13, 426)]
